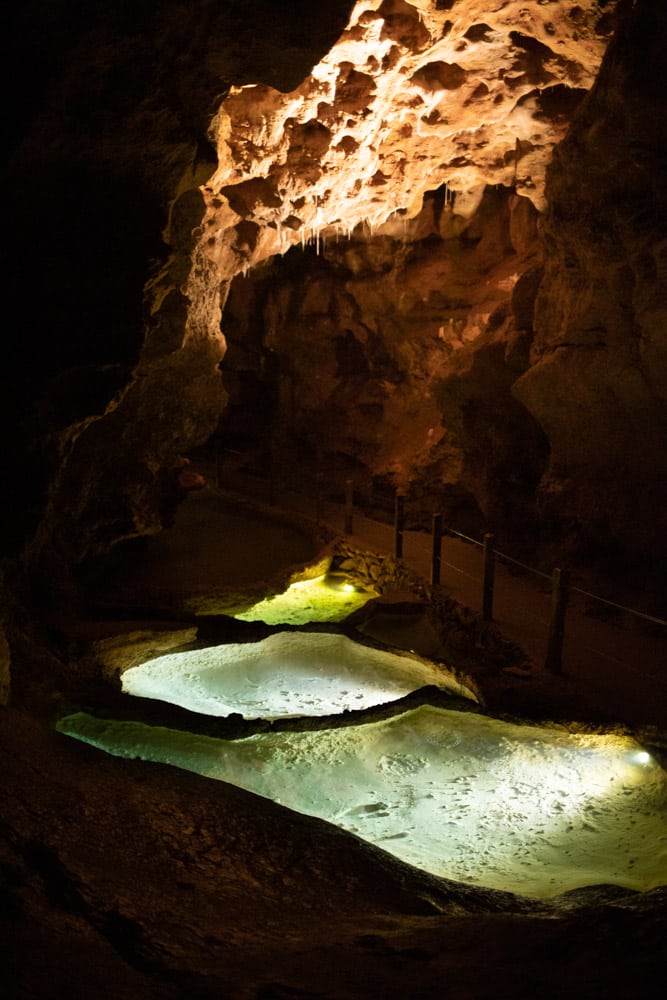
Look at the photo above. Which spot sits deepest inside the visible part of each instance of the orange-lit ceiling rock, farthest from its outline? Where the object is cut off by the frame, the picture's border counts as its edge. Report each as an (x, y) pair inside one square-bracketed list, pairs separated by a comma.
[(411, 97)]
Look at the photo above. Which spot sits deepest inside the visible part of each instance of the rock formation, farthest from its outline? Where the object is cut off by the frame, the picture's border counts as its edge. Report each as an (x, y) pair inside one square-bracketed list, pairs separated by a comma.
[(405, 245), (597, 380), (407, 145), (107, 130), (391, 362)]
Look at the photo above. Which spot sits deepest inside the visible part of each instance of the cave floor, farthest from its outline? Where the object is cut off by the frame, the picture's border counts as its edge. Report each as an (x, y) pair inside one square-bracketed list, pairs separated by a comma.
[(614, 670), (609, 671), (614, 667), (213, 540), (132, 879), (126, 880)]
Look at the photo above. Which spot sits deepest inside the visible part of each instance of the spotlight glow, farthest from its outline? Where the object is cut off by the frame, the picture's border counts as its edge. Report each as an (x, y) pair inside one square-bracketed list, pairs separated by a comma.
[(316, 600), (536, 811)]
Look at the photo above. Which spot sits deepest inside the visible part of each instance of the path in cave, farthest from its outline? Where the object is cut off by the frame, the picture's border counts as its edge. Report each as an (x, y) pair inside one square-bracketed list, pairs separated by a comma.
[(620, 671), (212, 538)]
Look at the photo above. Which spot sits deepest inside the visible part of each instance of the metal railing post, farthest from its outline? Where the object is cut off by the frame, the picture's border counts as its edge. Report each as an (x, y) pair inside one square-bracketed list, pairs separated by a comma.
[(319, 484), (489, 578), (272, 491), (349, 502), (436, 553), (399, 518), (560, 589)]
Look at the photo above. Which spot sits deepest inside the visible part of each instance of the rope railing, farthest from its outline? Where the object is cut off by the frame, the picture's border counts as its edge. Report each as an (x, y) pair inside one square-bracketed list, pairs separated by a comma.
[(560, 585), (528, 569), (466, 538), (621, 607)]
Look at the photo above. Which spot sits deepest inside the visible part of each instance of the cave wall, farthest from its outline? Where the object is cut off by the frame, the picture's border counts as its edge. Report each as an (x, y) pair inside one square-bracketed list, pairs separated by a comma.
[(428, 353), (391, 361), (388, 354), (597, 381), (107, 147)]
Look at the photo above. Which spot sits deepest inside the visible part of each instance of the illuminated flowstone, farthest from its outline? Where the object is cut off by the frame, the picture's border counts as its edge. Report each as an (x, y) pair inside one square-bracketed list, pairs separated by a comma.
[(533, 810), (411, 97), (317, 600), (288, 674)]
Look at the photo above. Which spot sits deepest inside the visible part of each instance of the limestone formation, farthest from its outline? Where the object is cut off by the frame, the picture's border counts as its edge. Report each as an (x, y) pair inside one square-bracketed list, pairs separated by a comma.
[(343, 205), (597, 380), (412, 97), (407, 143), (401, 354)]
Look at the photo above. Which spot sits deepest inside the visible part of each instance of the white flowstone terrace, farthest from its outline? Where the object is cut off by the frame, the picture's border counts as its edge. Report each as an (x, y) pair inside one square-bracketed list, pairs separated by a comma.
[(288, 674), (537, 811)]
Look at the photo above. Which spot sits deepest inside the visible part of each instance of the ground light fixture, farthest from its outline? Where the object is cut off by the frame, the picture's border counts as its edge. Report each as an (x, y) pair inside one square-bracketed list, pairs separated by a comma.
[(325, 598)]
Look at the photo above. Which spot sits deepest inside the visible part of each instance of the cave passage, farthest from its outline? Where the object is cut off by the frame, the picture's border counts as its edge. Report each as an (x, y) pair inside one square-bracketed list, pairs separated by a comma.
[(536, 811)]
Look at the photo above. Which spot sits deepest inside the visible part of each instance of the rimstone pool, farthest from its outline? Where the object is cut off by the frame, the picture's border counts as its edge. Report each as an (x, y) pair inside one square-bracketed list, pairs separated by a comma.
[(288, 674), (536, 810)]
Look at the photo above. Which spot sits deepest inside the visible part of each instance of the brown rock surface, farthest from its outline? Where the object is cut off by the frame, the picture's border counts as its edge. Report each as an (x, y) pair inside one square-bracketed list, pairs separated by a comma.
[(411, 97), (125, 879), (400, 354), (597, 382), (107, 142)]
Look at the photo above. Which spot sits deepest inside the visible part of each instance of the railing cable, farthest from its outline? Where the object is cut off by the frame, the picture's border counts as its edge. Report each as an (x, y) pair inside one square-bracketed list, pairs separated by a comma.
[(621, 607), (529, 569)]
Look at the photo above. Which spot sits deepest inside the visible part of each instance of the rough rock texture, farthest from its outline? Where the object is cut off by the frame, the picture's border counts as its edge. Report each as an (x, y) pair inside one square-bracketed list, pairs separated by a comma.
[(129, 880), (357, 370), (597, 382), (124, 879), (107, 129), (391, 361), (422, 391), (413, 96)]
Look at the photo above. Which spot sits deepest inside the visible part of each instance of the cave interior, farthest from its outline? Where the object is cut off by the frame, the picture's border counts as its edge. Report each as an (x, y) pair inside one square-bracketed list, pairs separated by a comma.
[(353, 250)]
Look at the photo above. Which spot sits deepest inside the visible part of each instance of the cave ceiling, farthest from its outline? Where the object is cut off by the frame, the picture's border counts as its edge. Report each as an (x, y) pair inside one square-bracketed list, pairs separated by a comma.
[(413, 96), (464, 97)]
